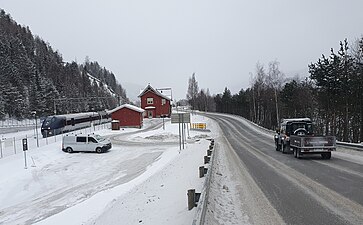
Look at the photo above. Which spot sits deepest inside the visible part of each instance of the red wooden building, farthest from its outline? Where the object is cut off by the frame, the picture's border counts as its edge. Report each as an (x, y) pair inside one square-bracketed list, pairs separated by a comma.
[(128, 115), (155, 103)]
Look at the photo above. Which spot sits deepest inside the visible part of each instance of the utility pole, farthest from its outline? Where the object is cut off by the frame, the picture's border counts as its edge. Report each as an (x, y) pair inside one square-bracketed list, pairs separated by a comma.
[(55, 109), (277, 108)]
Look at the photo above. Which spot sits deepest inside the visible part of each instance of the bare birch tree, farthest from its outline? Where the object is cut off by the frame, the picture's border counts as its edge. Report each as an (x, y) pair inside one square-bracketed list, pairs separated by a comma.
[(275, 79), (193, 91)]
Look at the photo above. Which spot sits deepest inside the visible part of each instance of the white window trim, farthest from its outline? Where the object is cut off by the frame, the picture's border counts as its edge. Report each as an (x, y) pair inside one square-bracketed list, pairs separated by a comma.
[(150, 101)]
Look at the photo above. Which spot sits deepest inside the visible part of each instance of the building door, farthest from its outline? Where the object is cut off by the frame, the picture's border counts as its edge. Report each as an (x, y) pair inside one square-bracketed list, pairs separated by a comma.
[(150, 114)]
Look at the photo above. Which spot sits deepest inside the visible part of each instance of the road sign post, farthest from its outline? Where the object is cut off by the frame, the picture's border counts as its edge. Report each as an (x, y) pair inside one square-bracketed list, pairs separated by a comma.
[(183, 129), (181, 118), (179, 132), (163, 116)]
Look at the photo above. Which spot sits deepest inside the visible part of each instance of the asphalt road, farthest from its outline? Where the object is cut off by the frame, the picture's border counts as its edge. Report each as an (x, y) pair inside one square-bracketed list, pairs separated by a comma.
[(301, 191)]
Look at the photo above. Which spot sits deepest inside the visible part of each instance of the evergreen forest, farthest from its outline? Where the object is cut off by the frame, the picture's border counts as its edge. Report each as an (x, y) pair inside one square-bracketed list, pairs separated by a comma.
[(332, 95), (34, 78)]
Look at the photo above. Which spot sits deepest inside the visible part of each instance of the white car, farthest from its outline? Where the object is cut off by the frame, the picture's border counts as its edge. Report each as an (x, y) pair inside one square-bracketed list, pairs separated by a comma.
[(86, 143)]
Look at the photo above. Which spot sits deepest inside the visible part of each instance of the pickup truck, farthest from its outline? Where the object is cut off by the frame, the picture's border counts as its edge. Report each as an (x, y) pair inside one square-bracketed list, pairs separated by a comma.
[(297, 135)]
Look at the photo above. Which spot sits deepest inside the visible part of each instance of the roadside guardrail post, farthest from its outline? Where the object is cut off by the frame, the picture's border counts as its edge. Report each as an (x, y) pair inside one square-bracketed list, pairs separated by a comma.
[(191, 199), (202, 198), (211, 144), (196, 198), (201, 171)]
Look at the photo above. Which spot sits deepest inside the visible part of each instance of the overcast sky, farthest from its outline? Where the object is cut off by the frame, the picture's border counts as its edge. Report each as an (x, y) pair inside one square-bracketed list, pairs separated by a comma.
[(163, 42)]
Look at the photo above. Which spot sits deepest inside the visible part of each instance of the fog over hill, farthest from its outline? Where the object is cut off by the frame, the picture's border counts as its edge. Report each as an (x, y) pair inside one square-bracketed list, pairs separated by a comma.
[(133, 90)]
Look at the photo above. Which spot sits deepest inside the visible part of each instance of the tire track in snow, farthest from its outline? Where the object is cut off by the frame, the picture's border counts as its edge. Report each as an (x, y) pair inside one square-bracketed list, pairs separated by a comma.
[(346, 209)]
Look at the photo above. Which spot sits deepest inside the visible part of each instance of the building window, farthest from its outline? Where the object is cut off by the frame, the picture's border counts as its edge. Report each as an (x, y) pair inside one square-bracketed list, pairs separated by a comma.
[(163, 101), (150, 101)]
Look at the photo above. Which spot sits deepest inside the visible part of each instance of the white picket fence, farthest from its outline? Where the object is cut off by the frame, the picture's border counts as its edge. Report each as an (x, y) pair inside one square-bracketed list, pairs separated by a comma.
[(18, 123), (14, 145)]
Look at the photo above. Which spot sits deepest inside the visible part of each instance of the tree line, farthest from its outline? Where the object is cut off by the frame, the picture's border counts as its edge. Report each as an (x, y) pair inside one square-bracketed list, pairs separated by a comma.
[(332, 95), (34, 77), (199, 99)]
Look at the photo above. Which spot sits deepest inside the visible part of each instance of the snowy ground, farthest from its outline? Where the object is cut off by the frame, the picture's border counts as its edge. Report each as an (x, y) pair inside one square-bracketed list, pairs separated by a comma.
[(143, 179), (143, 183)]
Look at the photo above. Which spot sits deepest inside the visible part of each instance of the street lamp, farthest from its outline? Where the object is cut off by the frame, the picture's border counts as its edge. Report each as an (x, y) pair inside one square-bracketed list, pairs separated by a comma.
[(92, 120), (36, 125)]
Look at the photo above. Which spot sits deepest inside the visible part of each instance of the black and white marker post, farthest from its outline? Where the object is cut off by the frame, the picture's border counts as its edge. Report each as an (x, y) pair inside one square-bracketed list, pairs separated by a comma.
[(25, 148)]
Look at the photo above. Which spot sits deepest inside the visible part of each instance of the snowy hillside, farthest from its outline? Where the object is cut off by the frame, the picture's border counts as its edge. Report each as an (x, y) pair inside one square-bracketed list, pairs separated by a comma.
[(105, 86)]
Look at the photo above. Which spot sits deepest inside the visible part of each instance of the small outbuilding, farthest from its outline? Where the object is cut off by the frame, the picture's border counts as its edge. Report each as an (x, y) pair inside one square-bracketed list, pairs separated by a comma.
[(128, 115), (115, 124)]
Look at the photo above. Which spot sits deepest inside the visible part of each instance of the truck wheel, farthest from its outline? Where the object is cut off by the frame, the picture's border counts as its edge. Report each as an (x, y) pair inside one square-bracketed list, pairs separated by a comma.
[(295, 152), (298, 153), (99, 150), (69, 150), (326, 155)]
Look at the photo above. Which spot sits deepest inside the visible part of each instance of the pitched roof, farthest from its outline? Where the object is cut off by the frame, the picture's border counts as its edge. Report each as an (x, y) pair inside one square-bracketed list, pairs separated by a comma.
[(149, 88), (132, 107)]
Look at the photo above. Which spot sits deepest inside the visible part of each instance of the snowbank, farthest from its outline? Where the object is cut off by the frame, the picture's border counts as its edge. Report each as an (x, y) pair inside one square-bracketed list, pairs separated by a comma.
[(142, 183)]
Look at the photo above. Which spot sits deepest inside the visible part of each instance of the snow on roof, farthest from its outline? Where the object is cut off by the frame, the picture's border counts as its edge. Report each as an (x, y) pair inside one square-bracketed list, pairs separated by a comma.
[(150, 107), (132, 107), (70, 115), (149, 88), (166, 92)]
